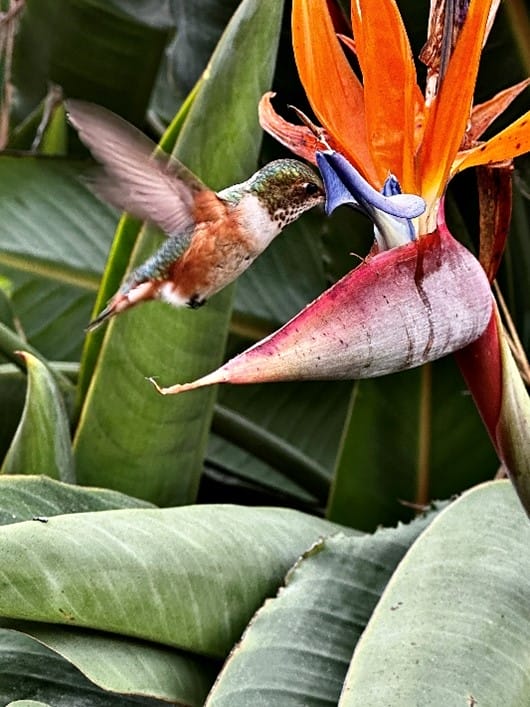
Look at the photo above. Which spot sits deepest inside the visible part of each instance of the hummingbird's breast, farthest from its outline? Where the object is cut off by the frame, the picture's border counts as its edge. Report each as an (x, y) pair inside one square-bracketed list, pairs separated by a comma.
[(219, 251)]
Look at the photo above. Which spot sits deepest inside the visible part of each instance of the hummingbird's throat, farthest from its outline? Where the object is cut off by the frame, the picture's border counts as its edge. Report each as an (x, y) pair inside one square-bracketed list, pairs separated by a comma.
[(284, 216)]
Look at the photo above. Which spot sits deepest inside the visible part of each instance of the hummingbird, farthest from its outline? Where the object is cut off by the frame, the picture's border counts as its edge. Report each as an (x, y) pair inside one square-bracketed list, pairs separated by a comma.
[(212, 237)]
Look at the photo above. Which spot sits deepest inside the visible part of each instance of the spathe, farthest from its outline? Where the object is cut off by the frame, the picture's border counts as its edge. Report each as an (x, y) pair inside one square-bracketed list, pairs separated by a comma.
[(397, 310)]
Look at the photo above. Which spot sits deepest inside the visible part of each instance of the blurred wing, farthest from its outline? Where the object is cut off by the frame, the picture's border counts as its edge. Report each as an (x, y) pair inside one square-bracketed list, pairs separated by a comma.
[(156, 188)]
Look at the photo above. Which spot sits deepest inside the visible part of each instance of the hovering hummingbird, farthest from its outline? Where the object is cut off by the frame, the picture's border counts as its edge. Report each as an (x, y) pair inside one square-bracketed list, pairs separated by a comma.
[(211, 237)]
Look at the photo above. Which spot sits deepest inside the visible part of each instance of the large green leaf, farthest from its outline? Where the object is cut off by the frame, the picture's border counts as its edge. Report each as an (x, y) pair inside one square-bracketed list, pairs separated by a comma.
[(187, 577), (41, 444), (27, 497), (51, 224), (294, 428), (12, 395), (125, 427), (127, 666), (411, 437), (53, 314), (30, 670), (199, 26), (452, 626), (54, 236), (297, 648), (91, 49), (13, 382)]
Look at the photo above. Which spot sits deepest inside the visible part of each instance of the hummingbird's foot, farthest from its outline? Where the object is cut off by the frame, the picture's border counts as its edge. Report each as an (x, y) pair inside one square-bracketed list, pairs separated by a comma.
[(196, 301)]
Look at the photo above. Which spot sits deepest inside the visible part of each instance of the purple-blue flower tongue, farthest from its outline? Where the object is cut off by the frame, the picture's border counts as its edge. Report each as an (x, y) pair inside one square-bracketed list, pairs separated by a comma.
[(390, 211)]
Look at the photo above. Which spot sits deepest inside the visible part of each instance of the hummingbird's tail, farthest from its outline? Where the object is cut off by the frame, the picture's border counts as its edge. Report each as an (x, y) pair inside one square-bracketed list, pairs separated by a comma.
[(124, 299), (102, 317)]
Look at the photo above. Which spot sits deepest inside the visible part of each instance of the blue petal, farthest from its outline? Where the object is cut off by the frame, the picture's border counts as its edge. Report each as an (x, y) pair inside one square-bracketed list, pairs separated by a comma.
[(344, 185), (337, 193), (391, 211), (391, 187)]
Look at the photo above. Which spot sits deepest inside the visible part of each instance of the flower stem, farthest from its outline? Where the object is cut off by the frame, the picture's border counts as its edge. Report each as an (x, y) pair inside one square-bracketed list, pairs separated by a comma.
[(424, 437)]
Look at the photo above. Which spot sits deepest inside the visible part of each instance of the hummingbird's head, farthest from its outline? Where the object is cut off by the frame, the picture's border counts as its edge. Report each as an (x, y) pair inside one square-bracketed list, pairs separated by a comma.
[(287, 188)]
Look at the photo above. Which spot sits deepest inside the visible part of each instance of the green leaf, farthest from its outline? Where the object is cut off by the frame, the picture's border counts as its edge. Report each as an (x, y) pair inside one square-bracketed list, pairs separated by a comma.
[(11, 343), (53, 315), (30, 670), (41, 444), (451, 628), (7, 315), (411, 437), (27, 497), (295, 428), (54, 236), (127, 666), (12, 395), (141, 429), (199, 26), (13, 384), (64, 236), (54, 139), (90, 49), (187, 577), (298, 647)]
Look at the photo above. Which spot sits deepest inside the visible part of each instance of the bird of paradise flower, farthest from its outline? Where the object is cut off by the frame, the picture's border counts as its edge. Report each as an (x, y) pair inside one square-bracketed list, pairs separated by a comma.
[(425, 295)]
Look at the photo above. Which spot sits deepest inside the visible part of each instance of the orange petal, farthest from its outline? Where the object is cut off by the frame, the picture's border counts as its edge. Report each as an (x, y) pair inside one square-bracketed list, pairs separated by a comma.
[(333, 90), (390, 88), (297, 138), (510, 142), (484, 114), (450, 110)]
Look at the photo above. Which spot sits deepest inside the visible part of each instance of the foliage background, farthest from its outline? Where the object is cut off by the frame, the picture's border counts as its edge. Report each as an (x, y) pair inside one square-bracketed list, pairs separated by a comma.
[(358, 454)]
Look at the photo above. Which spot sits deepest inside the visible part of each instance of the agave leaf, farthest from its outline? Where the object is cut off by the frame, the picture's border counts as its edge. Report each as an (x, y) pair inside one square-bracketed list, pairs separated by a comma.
[(310, 628), (188, 577), (26, 497), (127, 666), (451, 627), (28, 668)]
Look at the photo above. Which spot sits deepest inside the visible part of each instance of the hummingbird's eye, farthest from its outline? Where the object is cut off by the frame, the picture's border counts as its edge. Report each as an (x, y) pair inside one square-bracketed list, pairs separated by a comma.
[(311, 189)]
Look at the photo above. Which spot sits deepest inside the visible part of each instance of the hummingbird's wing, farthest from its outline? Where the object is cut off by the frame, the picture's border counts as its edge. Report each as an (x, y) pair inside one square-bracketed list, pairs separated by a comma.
[(153, 187)]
